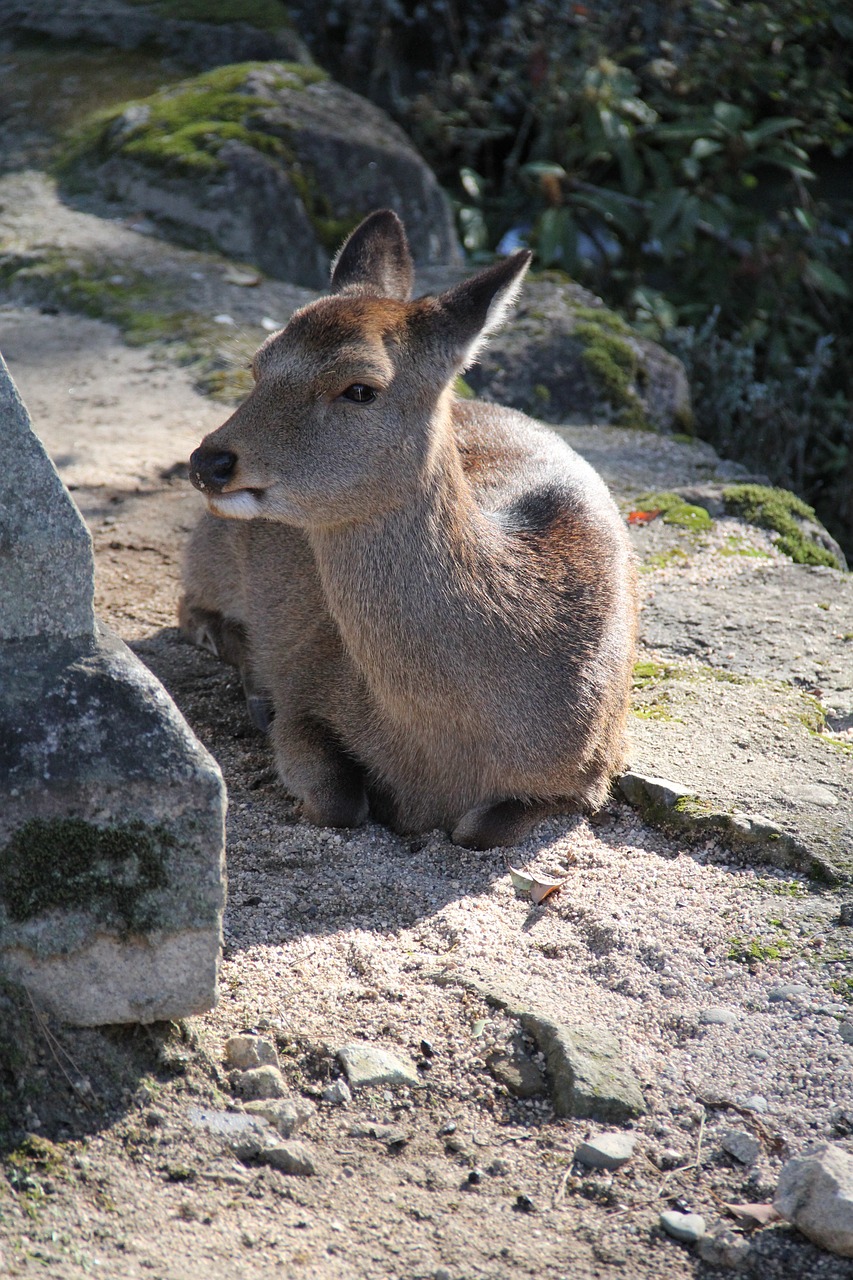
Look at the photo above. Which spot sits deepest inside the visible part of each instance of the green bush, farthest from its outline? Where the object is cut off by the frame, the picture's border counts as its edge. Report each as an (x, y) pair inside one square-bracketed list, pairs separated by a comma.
[(688, 160)]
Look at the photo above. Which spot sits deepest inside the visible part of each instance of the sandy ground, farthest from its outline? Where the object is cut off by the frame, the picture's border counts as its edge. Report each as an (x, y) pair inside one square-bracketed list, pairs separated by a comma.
[(332, 937)]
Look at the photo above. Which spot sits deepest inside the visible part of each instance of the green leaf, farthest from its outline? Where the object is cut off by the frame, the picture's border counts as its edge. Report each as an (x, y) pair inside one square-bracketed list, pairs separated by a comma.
[(543, 168), (769, 127), (666, 211), (731, 118), (806, 220), (823, 278), (472, 183), (629, 167), (704, 147)]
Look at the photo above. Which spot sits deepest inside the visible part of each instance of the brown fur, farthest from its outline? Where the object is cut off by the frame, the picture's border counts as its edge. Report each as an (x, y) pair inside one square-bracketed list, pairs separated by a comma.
[(436, 595)]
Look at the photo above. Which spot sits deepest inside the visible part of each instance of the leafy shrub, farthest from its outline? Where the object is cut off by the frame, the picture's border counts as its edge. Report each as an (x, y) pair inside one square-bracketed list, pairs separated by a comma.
[(686, 159)]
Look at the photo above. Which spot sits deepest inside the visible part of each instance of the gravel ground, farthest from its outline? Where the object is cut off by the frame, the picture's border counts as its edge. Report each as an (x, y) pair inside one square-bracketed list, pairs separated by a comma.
[(725, 982)]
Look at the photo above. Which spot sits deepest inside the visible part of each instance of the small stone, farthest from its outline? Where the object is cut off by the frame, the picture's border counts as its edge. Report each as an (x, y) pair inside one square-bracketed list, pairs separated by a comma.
[(262, 1082), (523, 1204), (845, 1030), (338, 1092), (724, 1248), (294, 1158), (845, 912), (366, 1065), (788, 991), (755, 1102), (815, 1193), (741, 1145), (717, 1015), (286, 1115), (606, 1150), (688, 1227), (244, 1052), (760, 1055), (517, 1071), (245, 1135), (589, 1077)]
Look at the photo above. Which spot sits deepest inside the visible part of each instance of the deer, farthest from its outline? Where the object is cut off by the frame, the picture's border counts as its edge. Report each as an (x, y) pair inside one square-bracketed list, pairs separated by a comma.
[(431, 599)]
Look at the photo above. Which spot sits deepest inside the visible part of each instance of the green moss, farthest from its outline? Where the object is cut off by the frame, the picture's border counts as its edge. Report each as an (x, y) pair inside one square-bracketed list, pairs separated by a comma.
[(612, 362), (665, 560), (753, 951), (181, 130), (655, 711), (735, 546), (647, 673), (266, 15), (779, 510), (67, 863), (674, 510)]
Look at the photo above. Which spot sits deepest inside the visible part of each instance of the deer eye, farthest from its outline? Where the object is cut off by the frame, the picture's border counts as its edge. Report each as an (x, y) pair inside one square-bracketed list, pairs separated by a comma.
[(360, 393)]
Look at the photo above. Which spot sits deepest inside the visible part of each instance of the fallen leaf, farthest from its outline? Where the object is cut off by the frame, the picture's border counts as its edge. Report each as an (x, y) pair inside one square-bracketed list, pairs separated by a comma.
[(522, 882), (753, 1214), (478, 1027), (246, 279), (643, 517), (542, 889), (538, 887)]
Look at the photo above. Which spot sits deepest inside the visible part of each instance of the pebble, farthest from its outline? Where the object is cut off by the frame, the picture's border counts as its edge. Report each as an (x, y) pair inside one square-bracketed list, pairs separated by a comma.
[(338, 1092), (245, 1135), (845, 1030), (755, 1102), (606, 1150), (689, 1227), (294, 1158), (815, 1193), (262, 1082), (724, 1248), (366, 1065), (760, 1055), (741, 1145), (788, 991), (286, 1115), (717, 1015), (845, 912), (245, 1052)]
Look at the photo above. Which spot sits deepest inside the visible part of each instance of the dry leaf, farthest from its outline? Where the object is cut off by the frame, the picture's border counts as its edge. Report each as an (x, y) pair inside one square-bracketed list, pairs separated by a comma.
[(246, 279), (752, 1214), (520, 880), (643, 517), (538, 887)]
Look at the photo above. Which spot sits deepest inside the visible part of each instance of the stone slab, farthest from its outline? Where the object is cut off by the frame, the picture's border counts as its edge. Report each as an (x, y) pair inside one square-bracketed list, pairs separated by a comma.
[(111, 837), (45, 549)]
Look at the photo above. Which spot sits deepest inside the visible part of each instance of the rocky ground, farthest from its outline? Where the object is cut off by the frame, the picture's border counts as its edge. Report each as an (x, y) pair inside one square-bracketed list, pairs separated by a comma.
[(701, 938), (723, 978)]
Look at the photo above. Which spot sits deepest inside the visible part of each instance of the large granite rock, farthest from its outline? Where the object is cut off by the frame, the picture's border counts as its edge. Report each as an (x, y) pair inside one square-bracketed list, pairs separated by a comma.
[(194, 44), (112, 814), (272, 163), (567, 358)]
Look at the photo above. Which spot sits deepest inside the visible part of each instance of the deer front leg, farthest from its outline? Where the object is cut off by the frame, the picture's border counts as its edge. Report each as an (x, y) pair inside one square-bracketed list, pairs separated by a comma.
[(227, 639), (490, 826), (315, 769)]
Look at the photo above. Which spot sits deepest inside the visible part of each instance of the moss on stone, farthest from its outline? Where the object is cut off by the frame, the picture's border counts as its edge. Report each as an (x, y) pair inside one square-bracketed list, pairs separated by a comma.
[(181, 130), (612, 362), (674, 556), (70, 864), (266, 15), (674, 510), (780, 511)]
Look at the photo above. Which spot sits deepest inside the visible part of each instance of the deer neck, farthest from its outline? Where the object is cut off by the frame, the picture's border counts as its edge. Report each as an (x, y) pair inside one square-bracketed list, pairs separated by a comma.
[(402, 586)]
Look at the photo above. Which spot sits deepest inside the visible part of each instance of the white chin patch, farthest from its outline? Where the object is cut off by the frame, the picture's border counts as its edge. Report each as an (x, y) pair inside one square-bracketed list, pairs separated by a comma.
[(241, 505)]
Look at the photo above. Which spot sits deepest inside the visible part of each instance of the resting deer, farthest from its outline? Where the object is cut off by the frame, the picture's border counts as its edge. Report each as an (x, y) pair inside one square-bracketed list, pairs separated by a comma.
[(436, 595)]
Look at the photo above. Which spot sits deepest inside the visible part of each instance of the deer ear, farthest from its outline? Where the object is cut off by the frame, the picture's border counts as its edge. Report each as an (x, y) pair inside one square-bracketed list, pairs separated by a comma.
[(471, 311), (375, 260)]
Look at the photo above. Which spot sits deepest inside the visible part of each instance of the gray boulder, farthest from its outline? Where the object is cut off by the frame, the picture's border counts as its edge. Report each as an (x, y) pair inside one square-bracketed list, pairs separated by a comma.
[(272, 163), (815, 1193), (112, 813), (194, 44), (567, 358)]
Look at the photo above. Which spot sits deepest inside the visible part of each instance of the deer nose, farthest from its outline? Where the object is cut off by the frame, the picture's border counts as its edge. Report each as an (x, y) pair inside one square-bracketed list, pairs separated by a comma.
[(211, 469)]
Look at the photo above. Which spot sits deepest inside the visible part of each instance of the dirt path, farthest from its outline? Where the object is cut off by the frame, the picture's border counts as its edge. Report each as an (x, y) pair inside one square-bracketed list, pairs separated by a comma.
[(409, 944)]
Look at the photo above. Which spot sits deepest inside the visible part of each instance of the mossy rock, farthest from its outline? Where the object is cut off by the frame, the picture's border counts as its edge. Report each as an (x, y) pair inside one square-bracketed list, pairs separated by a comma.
[(272, 163), (564, 357), (801, 536), (196, 34)]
